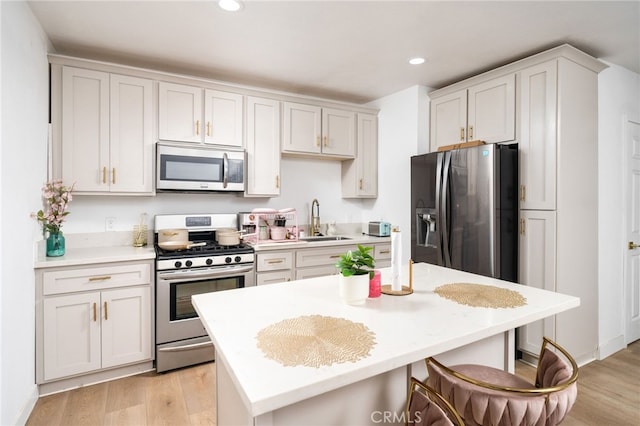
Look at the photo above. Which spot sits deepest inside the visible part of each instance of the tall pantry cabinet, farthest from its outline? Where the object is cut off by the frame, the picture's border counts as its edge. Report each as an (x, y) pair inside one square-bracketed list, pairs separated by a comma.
[(556, 131)]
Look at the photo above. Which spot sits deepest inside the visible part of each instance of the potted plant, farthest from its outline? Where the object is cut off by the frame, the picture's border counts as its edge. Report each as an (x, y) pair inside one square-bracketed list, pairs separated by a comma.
[(356, 269)]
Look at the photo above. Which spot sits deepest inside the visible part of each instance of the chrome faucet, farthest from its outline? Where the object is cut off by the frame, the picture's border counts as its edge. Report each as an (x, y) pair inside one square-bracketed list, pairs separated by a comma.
[(315, 217)]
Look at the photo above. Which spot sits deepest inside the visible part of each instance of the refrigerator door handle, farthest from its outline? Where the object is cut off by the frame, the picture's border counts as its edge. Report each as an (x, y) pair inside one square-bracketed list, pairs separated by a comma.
[(444, 213), (440, 225)]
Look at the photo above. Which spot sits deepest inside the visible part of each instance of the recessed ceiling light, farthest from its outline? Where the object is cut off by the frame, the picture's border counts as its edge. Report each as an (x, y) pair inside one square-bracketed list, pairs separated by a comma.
[(230, 5), (416, 61)]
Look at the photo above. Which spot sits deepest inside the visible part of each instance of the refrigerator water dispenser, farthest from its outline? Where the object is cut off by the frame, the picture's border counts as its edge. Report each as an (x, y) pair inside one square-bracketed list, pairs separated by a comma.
[(426, 220)]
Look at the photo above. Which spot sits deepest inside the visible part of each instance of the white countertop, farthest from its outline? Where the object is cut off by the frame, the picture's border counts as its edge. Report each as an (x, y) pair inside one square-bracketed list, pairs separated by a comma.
[(233, 319), (351, 240), (89, 255)]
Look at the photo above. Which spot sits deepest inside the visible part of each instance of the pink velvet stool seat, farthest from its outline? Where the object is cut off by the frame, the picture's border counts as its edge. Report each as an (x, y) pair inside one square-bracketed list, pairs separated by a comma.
[(491, 397)]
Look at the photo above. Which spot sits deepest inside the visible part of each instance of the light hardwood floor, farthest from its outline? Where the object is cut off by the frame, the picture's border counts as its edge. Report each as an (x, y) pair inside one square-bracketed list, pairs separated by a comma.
[(608, 394)]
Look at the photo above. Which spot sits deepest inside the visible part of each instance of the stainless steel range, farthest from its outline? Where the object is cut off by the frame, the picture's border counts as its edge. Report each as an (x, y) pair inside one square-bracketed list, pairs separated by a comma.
[(207, 266)]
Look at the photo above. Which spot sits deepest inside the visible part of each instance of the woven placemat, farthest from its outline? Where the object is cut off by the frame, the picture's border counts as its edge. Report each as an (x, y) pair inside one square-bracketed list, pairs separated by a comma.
[(315, 341), (479, 295)]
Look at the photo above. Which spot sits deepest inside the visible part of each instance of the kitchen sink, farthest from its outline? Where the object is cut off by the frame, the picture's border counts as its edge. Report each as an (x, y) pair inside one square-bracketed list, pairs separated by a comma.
[(324, 238)]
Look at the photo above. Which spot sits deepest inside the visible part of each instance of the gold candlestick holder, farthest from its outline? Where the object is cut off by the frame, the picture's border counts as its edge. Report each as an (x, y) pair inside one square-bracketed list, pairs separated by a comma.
[(386, 289)]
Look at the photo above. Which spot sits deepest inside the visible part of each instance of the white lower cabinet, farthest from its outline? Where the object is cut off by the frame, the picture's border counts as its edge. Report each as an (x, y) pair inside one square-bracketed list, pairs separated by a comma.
[(274, 267), (287, 265), (93, 319), (537, 269)]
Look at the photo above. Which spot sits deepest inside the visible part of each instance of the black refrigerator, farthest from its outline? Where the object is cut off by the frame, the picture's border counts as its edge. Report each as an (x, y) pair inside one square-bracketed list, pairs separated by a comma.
[(464, 206)]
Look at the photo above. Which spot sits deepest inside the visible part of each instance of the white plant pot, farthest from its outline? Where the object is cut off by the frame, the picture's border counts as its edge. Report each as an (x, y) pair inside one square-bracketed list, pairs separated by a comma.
[(354, 290)]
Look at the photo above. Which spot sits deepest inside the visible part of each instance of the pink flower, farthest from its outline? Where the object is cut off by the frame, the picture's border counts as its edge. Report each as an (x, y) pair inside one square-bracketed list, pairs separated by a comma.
[(56, 197)]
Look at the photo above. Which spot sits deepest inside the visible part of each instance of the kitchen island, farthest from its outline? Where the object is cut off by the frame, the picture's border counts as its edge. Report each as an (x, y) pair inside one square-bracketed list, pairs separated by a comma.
[(253, 389)]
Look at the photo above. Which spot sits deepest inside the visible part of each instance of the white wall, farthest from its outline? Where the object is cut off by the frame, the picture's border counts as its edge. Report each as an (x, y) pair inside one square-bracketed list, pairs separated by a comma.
[(618, 96), (302, 181), (402, 132), (25, 91)]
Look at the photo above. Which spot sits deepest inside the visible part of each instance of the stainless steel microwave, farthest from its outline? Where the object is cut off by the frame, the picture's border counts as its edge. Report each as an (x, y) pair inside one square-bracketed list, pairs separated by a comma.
[(199, 168)]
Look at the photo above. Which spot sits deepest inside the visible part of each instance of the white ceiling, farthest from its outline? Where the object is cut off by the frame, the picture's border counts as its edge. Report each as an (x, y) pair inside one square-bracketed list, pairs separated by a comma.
[(355, 51)]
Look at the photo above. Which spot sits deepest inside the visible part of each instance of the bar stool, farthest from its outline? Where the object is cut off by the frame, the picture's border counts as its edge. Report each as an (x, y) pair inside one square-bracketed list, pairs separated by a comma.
[(426, 407), (488, 396)]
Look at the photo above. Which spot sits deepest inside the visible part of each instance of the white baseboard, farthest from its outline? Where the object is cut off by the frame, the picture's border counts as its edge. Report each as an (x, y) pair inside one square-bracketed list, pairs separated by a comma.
[(28, 407), (612, 346)]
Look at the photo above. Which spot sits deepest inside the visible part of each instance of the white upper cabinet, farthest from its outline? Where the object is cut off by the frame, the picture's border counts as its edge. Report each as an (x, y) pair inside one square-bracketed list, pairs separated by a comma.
[(131, 134), (485, 111), (192, 114), (106, 139), (360, 175), (263, 147), (313, 130), (222, 118), (179, 112), (537, 142)]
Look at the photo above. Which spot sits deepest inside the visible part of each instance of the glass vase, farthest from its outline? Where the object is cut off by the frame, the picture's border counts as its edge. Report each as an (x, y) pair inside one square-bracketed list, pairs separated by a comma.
[(55, 244)]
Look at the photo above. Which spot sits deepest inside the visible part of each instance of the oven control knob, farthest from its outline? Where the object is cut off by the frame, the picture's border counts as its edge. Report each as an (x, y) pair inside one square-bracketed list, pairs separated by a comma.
[(228, 260), (189, 263), (177, 264), (238, 259), (209, 261)]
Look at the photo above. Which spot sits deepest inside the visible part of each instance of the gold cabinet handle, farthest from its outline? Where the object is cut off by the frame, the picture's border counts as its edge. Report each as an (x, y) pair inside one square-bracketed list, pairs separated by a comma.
[(102, 278), (633, 246), (385, 251), (462, 134), (274, 261), (334, 256), (95, 316), (113, 175), (470, 132), (208, 128), (522, 227), (360, 183), (278, 181), (326, 141), (104, 175), (106, 313), (318, 141), (197, 127), (523, 192)]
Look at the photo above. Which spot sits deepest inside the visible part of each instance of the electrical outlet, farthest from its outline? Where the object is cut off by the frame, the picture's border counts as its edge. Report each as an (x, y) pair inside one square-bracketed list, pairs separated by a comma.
[(110, 224)]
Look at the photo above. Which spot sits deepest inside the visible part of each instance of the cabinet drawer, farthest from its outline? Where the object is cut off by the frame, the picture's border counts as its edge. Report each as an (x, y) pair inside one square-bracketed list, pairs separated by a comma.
[(381, 252), (321, 256), (274, 277), (274, 261), (318, 271), (87, 279)]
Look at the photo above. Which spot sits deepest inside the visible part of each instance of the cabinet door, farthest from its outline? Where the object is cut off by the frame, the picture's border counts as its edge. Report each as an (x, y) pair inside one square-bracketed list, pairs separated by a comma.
[(537, 143), (537, 269), (448, 119), (179, 112), (223, 118), (131, 138), (263, 147), (71, 334), (360, 176), (85, 129), (126, 325), (302, 131), (491, 110), (338, 132)]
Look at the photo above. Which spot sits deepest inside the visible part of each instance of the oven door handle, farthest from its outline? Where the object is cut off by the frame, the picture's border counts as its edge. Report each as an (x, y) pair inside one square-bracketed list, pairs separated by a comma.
[(186, 347), (211, 273)]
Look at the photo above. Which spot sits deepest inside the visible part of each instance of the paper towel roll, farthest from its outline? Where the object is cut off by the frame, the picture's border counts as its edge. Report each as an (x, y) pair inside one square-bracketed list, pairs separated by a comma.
[(396, 259)]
